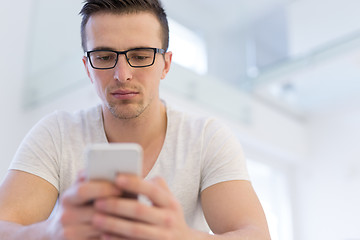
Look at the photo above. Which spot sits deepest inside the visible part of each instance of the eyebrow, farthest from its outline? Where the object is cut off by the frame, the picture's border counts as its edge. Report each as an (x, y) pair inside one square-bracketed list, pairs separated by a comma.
[(103, 48), (113, 49)]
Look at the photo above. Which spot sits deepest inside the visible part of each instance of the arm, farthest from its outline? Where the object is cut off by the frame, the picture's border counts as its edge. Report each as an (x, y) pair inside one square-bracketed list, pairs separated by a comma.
[(26, 202), (25, 199), (233, 211)]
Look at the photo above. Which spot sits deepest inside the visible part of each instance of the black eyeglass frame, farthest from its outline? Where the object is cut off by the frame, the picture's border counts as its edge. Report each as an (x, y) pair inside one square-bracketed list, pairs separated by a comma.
[(156, 50)]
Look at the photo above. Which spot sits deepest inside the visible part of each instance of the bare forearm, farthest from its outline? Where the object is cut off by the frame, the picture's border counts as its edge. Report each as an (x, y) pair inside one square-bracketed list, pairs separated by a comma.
[(248, 233), (14, 231)]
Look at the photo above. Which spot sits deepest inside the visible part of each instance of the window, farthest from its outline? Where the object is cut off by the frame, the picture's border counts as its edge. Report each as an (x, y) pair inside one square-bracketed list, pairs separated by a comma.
[(189, 49), (271, 185)]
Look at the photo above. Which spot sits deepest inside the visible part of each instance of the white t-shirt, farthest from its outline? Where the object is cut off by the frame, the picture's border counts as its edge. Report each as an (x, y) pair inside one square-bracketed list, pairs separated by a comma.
[(197, 153)]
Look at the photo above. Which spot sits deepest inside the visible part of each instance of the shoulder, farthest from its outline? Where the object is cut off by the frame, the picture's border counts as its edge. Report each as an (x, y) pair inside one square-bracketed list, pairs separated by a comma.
[(61, 118), (186, 119), (193, 125), (93, 113), (192, 120), (60, 124)]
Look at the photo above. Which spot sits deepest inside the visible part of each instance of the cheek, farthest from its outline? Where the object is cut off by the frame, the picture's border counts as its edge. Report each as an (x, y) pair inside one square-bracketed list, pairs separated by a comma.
[(158, 74), (99, 77), (99, 89), (151, 79), (99, 84)]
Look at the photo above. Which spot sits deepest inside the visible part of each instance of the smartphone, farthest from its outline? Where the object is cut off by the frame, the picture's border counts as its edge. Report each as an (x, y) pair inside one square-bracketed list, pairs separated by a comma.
[(106, 160)]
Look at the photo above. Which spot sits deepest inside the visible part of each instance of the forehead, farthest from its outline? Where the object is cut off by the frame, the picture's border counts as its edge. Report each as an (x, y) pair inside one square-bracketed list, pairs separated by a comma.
[(123, 31)]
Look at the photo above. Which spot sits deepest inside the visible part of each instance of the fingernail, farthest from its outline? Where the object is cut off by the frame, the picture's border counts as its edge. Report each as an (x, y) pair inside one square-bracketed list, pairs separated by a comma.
[(116, 191), (122, 180), (100, 204), (98, 220), (81, 176), (105, 237)]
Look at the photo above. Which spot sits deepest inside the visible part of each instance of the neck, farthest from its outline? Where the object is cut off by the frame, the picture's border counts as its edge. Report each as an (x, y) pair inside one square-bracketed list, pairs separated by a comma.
[(145, 129)]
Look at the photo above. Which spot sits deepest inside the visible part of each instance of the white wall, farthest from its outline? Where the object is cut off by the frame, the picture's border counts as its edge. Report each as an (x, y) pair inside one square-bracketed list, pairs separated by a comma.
[(13, 42), (328, 183)]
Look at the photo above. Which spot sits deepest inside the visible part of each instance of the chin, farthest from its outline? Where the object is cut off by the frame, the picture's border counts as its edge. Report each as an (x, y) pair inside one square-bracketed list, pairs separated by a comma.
[(126, 111)]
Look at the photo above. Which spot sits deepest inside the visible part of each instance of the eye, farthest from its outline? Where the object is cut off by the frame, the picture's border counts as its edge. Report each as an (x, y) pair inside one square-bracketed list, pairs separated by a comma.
[(104, 58), (141, 57), (138, 57)]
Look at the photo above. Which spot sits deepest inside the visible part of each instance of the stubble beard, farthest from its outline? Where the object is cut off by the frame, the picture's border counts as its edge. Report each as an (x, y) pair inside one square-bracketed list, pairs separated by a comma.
[(124, 111)]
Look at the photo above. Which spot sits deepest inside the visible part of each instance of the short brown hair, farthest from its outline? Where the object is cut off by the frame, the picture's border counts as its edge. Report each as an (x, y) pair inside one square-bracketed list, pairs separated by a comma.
[(92, 7)]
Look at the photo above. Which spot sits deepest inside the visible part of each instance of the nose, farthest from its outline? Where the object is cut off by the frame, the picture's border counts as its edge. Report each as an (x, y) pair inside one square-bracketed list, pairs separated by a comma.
[(122, 70)]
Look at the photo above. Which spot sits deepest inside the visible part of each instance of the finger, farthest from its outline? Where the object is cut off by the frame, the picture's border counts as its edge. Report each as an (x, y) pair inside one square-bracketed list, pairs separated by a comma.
[(156, 194), (82, 231), (106, 236), (76, 215), (132, 209), (83, 193), (159, 181), (126, 228)]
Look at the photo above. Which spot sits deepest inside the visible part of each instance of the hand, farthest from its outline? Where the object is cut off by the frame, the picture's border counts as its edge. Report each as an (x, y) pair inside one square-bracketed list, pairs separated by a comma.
[(124, 218), (73, 220)]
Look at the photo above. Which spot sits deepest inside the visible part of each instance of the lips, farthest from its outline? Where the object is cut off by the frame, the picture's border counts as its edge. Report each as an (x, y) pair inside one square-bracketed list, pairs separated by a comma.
[(124, 94)]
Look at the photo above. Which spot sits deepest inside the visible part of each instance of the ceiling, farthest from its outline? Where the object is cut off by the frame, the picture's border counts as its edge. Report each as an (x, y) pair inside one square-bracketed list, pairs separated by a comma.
[(214, 14), (323, 67)]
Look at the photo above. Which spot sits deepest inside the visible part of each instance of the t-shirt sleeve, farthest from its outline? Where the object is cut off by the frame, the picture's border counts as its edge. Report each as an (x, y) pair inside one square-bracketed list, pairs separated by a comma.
[(222, 156), (39, 151)]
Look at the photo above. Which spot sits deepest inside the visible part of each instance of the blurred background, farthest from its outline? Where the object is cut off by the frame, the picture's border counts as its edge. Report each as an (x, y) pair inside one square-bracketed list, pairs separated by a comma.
[(283, 74)]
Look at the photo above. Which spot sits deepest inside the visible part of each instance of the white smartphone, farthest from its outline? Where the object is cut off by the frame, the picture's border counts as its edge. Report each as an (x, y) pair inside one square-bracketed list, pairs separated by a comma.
[(104, 161)]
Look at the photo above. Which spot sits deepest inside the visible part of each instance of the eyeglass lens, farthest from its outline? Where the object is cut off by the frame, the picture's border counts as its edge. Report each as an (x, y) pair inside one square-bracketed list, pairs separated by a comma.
[(135, 57)]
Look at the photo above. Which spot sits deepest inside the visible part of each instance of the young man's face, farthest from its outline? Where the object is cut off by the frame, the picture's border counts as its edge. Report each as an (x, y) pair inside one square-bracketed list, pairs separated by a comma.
[(126, 91)]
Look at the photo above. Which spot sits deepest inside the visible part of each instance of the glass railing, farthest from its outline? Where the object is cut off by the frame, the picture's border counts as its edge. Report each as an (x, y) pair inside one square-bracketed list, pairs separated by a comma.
[(296, 64)]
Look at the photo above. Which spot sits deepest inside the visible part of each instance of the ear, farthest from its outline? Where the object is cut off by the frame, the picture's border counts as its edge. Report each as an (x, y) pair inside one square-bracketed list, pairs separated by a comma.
[(168, 59), (85, 62)]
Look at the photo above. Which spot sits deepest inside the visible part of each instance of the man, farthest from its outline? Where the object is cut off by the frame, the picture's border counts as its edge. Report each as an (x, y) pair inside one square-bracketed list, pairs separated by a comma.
[(193, 168)]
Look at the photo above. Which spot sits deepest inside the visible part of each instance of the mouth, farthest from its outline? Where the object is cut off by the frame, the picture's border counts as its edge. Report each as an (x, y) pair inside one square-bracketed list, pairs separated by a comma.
[(124, 94)]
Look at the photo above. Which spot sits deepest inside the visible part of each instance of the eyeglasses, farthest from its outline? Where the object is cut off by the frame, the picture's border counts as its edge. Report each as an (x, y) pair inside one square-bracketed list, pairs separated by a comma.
[(137, 57)]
